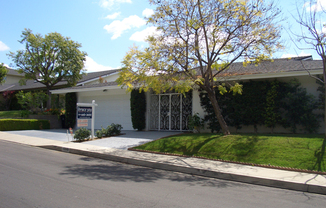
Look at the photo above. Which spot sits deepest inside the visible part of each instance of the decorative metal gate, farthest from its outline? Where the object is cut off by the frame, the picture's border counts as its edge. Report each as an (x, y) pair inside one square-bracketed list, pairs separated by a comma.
[(170, 111)]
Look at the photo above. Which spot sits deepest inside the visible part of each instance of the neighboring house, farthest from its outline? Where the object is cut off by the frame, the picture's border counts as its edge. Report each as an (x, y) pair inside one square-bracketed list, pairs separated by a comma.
[(170, 111), (12, 81)]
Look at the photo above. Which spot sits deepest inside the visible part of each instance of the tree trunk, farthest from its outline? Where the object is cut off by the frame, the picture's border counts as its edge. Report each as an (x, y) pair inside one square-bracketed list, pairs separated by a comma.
[(48, 103), (324, 76), (217, 110)]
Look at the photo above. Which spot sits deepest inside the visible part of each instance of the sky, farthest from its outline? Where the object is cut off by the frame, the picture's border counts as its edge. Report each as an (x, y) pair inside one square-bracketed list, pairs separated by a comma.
[(106, 29)]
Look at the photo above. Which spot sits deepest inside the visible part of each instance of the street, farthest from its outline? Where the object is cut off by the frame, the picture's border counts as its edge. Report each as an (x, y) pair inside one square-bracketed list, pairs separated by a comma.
[(35, 177)]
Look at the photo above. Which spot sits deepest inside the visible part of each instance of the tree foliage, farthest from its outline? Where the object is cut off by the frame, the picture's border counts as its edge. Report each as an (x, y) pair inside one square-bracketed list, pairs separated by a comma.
[(276, 104), (71, 102), (298, 107), (311, 18), (197, 41), (138, 109), (32, 101), (3, 73), (49, 59)]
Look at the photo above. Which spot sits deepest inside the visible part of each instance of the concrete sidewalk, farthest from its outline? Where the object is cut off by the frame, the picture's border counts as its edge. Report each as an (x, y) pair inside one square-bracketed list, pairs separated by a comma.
[(292, 180)]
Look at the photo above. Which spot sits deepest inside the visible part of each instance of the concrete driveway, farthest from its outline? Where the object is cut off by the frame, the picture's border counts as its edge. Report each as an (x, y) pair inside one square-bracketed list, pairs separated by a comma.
[(129, 139)]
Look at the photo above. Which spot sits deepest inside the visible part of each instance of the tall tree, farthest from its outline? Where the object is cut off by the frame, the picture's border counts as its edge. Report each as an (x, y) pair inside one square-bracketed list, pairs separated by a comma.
[(49, 59), (197, 40), (311, 18), (3, 73)]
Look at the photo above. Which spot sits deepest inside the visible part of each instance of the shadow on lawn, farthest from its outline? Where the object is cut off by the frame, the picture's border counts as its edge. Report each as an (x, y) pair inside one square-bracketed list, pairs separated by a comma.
[(242, 147), (319, 154)]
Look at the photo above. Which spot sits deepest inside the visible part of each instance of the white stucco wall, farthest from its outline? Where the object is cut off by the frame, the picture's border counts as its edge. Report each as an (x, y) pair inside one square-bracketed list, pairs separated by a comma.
[(10, 79), (110, 78)]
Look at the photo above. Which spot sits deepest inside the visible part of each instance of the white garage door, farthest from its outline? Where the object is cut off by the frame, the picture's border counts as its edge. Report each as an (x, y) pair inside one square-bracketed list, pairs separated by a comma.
[(113, 107)]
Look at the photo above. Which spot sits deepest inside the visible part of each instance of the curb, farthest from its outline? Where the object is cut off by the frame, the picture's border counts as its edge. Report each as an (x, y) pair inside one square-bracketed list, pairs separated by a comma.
[(195, 171)]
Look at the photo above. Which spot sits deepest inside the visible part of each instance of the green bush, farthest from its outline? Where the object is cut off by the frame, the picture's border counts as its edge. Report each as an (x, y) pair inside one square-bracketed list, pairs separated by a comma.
[(71, 101), (32, 101), (111, 130), (138, 109), (265, 103), (195, 123), (24, 113), (23, 124), (102, 133), (82, 134), (115, 129)]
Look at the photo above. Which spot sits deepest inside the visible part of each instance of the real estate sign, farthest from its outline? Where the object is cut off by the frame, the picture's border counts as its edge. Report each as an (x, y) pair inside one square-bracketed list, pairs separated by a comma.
[(84, 112)]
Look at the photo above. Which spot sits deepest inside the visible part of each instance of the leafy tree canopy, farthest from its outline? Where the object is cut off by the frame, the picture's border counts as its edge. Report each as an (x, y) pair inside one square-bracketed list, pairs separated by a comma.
[(3, 73), (197, 40), (49, 59)]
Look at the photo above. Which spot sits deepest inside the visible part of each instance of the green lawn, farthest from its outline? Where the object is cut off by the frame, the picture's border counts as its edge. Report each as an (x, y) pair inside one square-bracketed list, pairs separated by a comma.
[(295, 151), (10, 114)]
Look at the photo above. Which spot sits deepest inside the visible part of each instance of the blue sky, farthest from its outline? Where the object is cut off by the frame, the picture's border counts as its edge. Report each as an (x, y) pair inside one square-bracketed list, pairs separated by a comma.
[(105, 28)]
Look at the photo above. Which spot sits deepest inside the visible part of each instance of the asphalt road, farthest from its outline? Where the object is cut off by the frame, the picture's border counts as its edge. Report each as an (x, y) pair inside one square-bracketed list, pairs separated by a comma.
[(35, 177)]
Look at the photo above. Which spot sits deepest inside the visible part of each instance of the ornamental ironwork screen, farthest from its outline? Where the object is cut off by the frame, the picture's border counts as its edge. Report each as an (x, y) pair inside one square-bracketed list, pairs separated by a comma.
[(170, 111)]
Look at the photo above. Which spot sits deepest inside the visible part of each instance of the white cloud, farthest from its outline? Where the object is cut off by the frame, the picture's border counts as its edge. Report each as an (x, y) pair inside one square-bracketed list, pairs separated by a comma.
[(113, 16), (148, 12), (108, 4), (319, 6), (91, 66), (142, 35), (117, 27), (3, 47), (292, 55)]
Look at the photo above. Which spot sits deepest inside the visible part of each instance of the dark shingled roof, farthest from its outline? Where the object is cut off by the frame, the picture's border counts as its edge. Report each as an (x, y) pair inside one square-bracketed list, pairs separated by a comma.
[(31, 84), (275, 66), (14, 72)]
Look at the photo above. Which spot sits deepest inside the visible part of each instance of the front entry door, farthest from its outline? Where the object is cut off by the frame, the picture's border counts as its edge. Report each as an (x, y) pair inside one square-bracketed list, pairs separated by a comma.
[(170, 111)]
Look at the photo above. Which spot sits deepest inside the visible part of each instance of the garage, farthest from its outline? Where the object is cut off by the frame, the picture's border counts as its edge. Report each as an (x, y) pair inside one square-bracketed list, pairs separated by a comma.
[(113, 107)]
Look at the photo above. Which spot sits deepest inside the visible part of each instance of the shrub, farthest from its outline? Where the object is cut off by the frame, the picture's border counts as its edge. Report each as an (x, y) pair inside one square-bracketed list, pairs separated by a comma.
[(98, 134), (264, 103), (195, 123), (32, 101), (115, 129), (111, 130), (82, 134), (71, 101), (138, 109), (23, 124), (298, 107), (24, 113), (102, 133)]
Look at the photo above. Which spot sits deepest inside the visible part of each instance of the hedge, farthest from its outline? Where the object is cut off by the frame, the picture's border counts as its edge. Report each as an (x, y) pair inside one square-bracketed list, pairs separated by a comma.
[(23, 124), (138, 109)]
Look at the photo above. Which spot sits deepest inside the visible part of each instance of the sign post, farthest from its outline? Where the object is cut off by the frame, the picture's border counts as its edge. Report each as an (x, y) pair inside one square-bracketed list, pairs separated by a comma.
[(86, 111)]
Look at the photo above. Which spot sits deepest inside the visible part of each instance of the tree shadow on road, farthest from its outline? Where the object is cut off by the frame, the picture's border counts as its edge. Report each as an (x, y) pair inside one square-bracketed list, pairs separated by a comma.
[(96, 169)]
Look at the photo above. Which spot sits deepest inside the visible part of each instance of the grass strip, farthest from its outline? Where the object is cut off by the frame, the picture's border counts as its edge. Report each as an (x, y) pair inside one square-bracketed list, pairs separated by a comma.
[(10, 114), (293, 151)]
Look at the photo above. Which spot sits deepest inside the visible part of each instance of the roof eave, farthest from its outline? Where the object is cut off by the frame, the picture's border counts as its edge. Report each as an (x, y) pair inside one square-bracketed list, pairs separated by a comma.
[(274, 75), (64, 91)]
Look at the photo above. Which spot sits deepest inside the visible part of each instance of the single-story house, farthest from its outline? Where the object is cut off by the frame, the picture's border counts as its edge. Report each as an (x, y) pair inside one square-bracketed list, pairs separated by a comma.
[(169, 111)]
